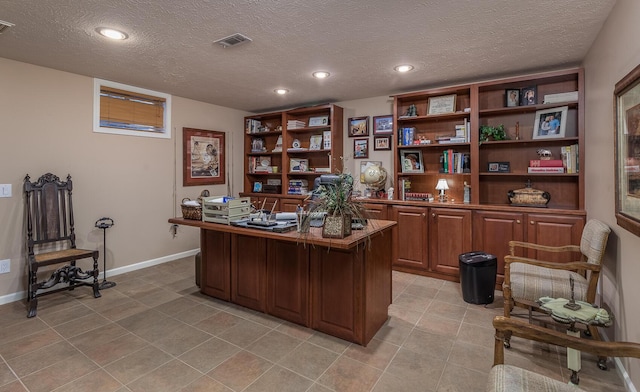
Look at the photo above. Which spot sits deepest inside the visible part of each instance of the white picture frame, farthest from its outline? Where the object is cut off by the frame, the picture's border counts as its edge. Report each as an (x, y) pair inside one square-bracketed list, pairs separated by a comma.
[(319, 121), (550, 123)]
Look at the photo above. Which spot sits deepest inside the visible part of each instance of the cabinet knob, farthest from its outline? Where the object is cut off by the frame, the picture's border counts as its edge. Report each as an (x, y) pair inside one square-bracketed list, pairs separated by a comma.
[(423, 214), (433, 214), (518, 221), (532, 222)]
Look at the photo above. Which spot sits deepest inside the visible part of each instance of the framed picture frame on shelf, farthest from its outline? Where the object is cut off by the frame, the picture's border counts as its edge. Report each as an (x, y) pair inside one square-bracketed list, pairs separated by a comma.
[(511, 97), (442, 105), (411, 161), (297, 165), (499, 167), (383, 125), (203, 157), (550, 123), (319, 121), (381, 143), (364, 165), (358, 126), (529, 96), (360, 148), (627, 151)]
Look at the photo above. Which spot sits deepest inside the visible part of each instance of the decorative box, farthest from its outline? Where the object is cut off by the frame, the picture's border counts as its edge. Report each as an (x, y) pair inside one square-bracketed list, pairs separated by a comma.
[(529, 197)]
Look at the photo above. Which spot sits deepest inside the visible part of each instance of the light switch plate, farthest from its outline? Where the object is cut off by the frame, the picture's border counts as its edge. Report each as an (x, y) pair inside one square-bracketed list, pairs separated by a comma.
[(5, 190), (5, 266)]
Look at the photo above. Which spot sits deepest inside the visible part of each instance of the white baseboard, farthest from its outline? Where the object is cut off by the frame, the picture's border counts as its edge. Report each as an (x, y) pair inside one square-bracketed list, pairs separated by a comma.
[(5, 299)]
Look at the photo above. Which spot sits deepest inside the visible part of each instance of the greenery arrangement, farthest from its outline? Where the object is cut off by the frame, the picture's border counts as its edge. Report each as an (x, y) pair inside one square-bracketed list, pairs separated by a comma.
[(488, 132)]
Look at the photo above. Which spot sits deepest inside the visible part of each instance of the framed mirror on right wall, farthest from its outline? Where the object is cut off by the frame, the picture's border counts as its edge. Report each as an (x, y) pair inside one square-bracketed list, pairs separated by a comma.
[(627, 151)]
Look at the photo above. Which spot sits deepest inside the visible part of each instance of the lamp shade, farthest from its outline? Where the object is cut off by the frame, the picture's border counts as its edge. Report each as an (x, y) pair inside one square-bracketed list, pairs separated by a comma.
[(442, 185)]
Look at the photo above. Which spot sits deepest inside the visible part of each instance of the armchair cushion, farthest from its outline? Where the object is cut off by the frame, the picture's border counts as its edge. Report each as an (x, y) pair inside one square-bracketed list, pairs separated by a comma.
[(530, 282), (511, 378)]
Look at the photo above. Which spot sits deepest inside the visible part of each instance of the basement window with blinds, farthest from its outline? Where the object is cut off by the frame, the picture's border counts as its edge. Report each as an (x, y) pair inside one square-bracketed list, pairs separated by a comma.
[(128, 110)]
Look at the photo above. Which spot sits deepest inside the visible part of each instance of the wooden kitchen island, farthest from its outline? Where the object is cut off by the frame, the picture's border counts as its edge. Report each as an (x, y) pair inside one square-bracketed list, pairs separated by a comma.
[(341, 287)]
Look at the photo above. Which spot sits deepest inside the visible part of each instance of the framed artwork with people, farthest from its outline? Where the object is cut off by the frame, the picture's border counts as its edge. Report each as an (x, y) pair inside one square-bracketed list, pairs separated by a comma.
[(203, 157), (550, 123), (529, 96), (512, 97)]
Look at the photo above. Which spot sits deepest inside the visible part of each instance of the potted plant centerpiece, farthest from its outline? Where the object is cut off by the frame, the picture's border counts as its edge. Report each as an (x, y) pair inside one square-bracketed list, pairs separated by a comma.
[(335, 198)]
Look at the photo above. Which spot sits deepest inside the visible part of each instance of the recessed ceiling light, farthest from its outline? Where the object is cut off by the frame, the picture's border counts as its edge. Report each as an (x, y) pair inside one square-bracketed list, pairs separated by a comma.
[(111, 33), (403, 68), (281, 91), (321, 74)]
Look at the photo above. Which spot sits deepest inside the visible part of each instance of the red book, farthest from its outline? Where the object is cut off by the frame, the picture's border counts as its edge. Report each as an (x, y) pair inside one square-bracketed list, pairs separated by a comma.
[(545, 170), (545, 163)]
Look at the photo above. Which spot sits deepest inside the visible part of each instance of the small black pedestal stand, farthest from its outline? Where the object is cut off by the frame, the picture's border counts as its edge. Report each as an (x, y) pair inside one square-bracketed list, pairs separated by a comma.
[(104, 224)]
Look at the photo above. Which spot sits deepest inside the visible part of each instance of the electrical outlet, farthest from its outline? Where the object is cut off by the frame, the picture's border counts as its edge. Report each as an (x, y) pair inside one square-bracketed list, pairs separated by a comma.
[(5, 266), (5, 190)]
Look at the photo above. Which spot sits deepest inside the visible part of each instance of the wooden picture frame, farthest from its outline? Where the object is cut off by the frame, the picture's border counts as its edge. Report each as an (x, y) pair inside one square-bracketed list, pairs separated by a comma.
[(529, 96), (626, 98), (411, 161), (442, 105), (383, 125), (358, 126), (381, 143), (511, 97), (203, 157), (361, 148), (550, 123)]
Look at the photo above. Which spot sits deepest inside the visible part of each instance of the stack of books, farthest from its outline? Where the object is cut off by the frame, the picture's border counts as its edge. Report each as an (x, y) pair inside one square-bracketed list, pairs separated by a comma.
[(295, 124), (418, 196), (455, 162), (404, 187), (406, 136), (252, 126), (548, 166), (570, 158), (298, 187)]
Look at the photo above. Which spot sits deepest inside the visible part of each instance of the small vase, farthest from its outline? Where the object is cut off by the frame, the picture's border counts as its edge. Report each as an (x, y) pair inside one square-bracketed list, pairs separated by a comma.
[(336, 226)]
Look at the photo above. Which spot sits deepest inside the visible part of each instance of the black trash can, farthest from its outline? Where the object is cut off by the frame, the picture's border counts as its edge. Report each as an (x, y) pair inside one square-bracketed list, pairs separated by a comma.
[(478, 277)]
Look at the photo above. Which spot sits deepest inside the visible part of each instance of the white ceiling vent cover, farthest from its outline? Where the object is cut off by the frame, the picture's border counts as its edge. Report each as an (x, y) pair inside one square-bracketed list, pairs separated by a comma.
[(233, 40), (5, 25)]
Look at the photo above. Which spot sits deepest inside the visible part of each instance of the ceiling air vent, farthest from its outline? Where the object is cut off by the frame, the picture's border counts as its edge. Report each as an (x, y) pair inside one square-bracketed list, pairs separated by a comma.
[(5, 25), (233, 40)]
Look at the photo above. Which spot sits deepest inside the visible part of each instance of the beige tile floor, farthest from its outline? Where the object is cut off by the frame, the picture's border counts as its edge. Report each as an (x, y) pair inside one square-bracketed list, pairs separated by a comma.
[(155, 332)]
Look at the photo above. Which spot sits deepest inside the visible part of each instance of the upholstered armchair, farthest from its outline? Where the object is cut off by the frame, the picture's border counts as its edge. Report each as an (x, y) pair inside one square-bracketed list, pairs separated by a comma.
[(526, 280), (509, 378)]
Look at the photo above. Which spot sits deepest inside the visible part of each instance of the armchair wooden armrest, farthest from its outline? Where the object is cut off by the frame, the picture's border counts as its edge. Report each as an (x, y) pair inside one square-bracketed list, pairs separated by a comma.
[(571, 266), (510, 326), (528, 245)]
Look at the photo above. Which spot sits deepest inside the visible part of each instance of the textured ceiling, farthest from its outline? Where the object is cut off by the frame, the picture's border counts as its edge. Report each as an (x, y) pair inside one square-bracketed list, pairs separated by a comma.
[(171, 48)]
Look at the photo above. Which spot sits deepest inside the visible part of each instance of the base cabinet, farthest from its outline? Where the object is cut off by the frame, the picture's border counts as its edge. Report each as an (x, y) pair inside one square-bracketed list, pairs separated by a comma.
[(288, 281), (215, 276), (449, 236), (410, 238), (492, 231), (248, 267)]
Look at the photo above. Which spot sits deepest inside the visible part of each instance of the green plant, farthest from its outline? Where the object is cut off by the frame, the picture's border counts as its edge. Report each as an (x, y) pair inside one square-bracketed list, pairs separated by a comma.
[(488, 132)]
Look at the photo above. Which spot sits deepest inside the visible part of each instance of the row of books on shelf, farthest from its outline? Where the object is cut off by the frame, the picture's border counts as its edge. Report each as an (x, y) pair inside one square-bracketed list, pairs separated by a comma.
[(255, 126), (298, 187), (404, 187), (455, 162), (567, 164), (409, 136)]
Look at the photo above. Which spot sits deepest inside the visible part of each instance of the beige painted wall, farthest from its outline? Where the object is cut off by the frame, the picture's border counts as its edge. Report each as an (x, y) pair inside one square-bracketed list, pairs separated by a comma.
[(46, 126), (376, 106), (615, 52)]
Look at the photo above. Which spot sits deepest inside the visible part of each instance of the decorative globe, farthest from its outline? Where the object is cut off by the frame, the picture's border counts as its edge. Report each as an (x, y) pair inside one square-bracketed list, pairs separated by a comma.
[(375, 177)]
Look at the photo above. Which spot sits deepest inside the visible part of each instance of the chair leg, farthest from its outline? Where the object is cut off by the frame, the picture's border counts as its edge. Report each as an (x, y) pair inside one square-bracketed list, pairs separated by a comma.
[(96, 285), (595, 335), (508, 307), (32, 294)]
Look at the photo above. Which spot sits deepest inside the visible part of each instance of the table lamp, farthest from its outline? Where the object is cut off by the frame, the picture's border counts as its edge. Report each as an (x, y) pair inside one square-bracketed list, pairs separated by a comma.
[(442, 186)]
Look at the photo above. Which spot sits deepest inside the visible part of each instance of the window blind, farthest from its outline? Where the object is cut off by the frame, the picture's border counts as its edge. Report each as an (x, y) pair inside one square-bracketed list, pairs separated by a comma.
[(128, 110)]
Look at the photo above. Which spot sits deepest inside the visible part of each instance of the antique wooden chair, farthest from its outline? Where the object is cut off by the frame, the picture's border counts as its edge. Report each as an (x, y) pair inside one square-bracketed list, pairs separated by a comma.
[(510, 378), (527, 280), (51, 240)]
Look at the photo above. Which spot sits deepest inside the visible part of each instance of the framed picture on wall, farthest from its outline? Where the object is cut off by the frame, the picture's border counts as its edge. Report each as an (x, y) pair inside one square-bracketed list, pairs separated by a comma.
[(381, 143), (360, 148), (383, 125), (358, 126), (203, 157)]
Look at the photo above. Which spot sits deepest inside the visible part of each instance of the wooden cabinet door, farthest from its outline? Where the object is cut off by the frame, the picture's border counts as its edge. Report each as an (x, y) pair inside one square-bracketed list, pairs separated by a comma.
[(375, 211), (492, 231), (410, 237), (215, 267), (554, 230), (288, 205), (288, 281), (248, 271), (449, 236)]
